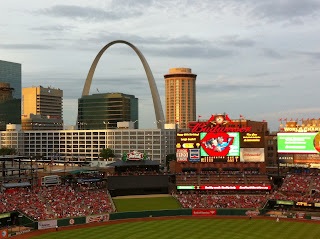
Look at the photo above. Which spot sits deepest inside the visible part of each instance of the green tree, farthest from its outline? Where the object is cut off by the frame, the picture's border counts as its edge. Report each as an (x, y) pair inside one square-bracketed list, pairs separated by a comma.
[(7, 151), (106, 153), (124, 156)]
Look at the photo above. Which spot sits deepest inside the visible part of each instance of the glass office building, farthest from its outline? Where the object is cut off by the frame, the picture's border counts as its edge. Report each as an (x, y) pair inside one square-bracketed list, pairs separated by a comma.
[(10, 93), (104, 111)]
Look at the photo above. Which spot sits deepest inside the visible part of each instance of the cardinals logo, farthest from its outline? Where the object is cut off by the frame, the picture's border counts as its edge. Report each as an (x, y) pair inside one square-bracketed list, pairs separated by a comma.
[(217, 144), (219, 120)]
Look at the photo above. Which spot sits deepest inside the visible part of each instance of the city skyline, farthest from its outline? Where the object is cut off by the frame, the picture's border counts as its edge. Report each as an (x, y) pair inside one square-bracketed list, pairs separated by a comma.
[(259, 60)]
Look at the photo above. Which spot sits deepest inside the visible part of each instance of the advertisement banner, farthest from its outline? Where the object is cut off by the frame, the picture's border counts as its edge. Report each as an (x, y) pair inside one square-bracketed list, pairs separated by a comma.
[(234, 187), (188, 140), (194, 155), (4, 215), (306, 158), (97, 218), (252, 140), (299, 143), (300, 215), (204, 212), (285, 202), (286, 158), (47, 224), (253, 212), (182, 155), (4, 233), (252, 155)]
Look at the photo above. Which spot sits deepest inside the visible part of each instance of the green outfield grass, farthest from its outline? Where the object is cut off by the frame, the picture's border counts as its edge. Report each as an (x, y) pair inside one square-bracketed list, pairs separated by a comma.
[(196, 228), (145, 204)]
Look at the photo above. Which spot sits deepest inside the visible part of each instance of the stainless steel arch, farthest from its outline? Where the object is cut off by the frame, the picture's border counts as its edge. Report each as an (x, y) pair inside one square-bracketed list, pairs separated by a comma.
[(153, 87)]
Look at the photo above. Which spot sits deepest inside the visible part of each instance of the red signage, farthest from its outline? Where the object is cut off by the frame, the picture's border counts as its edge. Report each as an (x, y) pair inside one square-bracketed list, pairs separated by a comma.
[(217, 144), (135, 156), (216, 124), (204, 212), (234, 187)]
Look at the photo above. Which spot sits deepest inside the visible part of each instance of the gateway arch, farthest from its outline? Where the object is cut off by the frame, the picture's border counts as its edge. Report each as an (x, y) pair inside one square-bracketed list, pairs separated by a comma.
[(153, 87)]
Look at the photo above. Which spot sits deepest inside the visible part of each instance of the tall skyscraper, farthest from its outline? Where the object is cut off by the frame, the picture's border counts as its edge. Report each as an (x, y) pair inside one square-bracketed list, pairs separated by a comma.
[(42, 108), (10, 93), (104, 111), (180, 97)]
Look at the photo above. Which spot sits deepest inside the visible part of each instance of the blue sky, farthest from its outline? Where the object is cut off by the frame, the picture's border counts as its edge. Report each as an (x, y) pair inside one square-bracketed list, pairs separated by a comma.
[(259, 59)]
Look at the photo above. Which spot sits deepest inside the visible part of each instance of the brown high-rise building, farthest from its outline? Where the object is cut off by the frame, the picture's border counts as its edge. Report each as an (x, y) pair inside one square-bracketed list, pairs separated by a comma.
[(42, 108), (180, 97)]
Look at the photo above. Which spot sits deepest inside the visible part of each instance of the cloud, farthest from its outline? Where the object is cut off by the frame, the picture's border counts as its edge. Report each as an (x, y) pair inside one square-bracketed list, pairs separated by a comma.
[(196, 51), (285, 9), (87, 13), (53, 28), (236, 41), (314, 55), (26, 46), (270, 53), (223, 84)]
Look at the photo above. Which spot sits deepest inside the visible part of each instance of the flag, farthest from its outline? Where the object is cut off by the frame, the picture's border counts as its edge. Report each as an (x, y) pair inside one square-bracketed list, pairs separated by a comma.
[(312, 119), (297, 120), (241, 116), (291, 119), (264, 120), (285, 119), (308, 119), (98, 90), (199, 116), (302, 119), (280, 119)]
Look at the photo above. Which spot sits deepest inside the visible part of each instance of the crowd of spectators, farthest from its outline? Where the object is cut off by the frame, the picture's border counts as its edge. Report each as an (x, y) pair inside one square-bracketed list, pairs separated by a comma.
[(43, 203), (197, 200)]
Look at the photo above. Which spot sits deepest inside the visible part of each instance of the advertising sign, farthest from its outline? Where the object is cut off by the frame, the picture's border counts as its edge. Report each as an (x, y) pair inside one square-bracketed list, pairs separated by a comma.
[(284, 202), (97, 218), (306, 158), (188, 140), (194, 155), (182, 155), (4, 233), (252, 140), (286, 158), (253, 212), (47, 224), (220, 144), (227, 187), (135, 156), (4, 215), (299, 143), (204, 212), (252, 155)]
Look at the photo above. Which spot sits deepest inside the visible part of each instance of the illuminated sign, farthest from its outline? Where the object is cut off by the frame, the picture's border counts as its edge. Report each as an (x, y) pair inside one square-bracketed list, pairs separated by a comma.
[(204, 212), (188, 140), (182, 155), (227, 187), (284, 202), (305, 204), (4, 215), (299, 143), (211, 159), (135, 156), (286, 158), (220, 144), (252, 155), (216, 124), (302, 129), (317, 204), (194, 155), (306, 158), (252, 140)]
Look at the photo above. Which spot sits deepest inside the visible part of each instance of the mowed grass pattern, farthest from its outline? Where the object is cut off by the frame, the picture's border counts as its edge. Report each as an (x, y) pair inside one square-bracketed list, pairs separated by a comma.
[(196, 228), (145, 204)]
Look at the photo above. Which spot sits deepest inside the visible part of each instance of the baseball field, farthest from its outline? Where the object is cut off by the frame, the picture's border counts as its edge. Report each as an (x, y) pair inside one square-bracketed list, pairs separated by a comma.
[(145, 203), (195, 228)]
